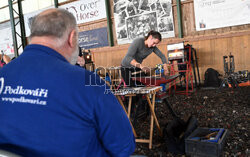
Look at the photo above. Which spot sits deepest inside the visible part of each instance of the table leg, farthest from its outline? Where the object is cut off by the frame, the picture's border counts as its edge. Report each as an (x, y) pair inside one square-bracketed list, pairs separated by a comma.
[(129, 106), (151, 106), (151, 123), (122, 104)]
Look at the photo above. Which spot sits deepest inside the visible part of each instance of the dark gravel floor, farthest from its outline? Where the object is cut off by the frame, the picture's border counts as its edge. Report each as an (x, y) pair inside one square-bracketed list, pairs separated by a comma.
[(227, 108)]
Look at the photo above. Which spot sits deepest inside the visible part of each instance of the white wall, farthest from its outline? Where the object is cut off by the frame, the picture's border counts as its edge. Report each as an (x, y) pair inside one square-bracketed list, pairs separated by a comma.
[(28, 6)]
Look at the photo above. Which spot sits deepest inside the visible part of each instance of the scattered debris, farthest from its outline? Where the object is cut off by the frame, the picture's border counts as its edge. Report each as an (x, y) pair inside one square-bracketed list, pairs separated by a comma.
[(227, 108)]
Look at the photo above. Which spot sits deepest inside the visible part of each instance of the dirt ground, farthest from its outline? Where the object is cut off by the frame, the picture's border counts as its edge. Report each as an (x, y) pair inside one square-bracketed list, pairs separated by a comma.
[(214, 108)]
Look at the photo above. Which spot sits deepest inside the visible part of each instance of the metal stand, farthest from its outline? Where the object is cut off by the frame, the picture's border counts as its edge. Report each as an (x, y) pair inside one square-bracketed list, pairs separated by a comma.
[(186, 69), (230, 77)]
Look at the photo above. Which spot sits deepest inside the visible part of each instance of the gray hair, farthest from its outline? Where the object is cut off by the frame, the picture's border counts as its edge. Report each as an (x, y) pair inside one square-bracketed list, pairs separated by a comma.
[(55, 23)]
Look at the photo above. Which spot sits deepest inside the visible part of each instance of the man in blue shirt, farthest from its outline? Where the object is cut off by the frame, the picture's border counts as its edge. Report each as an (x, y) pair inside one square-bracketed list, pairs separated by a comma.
[(50, 108)]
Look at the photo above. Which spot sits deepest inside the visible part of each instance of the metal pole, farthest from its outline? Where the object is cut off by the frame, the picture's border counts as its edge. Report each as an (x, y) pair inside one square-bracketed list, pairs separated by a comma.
[(12, 21), (109, 23), (56, 3), (21, 19), (178, 4)]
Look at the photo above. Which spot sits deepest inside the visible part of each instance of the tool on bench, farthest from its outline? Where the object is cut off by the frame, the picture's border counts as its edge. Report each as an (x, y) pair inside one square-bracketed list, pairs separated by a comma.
[(143, 72), (155, 80)]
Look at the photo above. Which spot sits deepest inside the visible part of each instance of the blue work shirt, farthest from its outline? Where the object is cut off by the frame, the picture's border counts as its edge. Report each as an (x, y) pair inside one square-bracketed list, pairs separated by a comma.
[(51, 108)]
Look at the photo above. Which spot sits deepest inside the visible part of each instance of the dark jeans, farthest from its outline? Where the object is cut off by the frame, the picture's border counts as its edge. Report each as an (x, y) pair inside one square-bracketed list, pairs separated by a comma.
[(127, 76), (138, 103)]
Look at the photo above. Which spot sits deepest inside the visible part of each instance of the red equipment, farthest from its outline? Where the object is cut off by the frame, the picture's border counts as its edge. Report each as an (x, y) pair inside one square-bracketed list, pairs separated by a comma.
[(181, 63), (155, 80)]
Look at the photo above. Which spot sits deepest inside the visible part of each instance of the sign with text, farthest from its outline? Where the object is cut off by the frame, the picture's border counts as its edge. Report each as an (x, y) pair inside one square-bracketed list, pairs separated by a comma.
[(93, 38), (210, 14), (6, 40), (86, 11)]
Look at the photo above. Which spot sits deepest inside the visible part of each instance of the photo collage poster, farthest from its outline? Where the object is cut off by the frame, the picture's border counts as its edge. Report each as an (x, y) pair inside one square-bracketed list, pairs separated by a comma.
[(135, 18)]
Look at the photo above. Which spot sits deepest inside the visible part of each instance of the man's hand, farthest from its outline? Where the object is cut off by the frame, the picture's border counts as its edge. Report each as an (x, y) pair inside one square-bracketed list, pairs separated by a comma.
[(145, 69), (6, 59), (166, 71), (80, 61)]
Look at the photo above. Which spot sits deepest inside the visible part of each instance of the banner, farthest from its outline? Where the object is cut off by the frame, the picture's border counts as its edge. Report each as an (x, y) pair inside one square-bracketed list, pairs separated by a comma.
[(93, 38), (210, 14), (87, 10), (135, 18), (6, 40)]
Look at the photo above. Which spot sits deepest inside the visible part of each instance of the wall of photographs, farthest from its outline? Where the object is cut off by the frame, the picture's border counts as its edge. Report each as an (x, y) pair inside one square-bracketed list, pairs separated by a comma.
[(135, 18)]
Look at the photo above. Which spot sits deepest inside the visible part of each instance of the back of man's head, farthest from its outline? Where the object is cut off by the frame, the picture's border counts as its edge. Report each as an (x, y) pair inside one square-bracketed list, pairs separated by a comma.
[(53, 22)]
